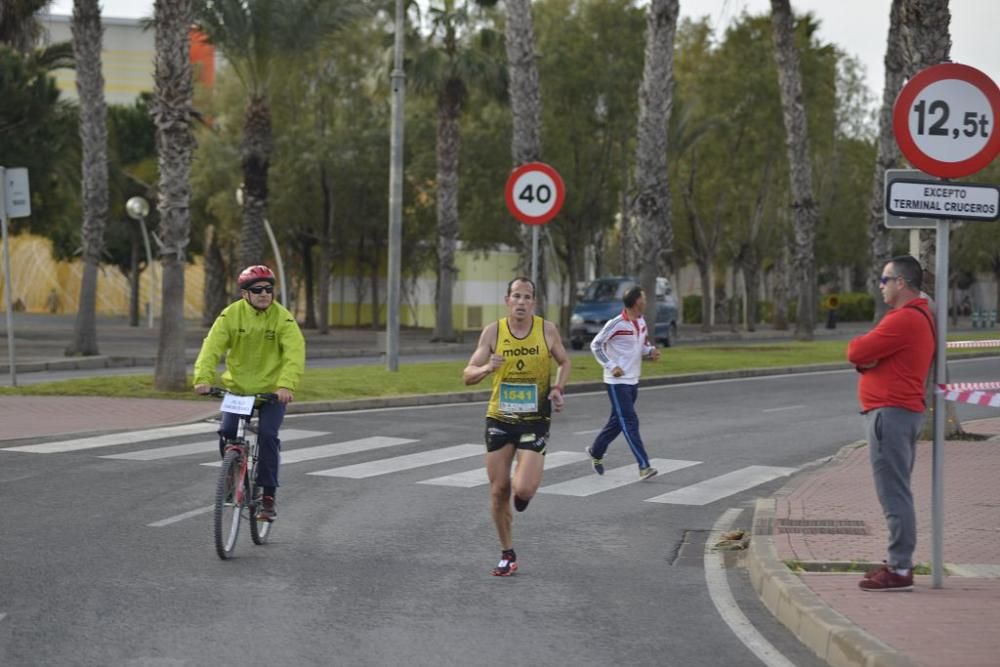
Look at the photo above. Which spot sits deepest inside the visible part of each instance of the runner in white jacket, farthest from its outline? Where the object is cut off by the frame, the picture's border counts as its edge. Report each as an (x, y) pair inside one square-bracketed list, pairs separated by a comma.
[(620, 348)]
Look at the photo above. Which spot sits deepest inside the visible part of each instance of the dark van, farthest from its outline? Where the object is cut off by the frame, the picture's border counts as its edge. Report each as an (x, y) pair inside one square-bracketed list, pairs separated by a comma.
[(602, 300)]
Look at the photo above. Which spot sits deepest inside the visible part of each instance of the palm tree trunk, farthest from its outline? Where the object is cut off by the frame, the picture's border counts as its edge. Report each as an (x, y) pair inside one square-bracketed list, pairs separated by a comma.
[(255, 153), (214, 294), (652, 200), (797, 145), (888, 158), (449, 145), (325, 251), (526, 114), (172, 114), (87, 36)]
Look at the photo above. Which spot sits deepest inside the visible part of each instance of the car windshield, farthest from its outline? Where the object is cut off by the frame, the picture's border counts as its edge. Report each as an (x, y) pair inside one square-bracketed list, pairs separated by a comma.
[(606, 290)]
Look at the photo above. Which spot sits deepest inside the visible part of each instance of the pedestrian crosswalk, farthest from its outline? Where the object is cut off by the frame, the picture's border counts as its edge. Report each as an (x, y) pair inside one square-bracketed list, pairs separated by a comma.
[(394, 455)]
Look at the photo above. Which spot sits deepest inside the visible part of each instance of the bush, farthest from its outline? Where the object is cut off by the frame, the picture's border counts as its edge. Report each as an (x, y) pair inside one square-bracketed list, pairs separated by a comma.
[(855, 307), (692, 309)]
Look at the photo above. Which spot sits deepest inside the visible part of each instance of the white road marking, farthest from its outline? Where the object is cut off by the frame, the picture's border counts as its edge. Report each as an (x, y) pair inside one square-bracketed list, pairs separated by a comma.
[(722, 597), (719, 487), (205, 447), (335, 449), (784, 407), (128, 437), (180, 517), (400, 463), (478, 477), (590, 432), (612, 479)]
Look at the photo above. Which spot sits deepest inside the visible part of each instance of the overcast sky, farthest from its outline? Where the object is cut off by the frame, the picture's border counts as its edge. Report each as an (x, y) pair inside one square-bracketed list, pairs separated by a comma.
[(859, 27)]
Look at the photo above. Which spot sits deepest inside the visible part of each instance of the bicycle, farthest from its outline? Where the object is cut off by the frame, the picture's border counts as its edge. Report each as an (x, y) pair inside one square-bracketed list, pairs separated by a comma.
[(237, 495)]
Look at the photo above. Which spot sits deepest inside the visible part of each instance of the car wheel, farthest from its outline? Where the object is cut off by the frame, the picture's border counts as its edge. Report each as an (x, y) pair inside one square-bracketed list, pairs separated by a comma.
[(671, 335)]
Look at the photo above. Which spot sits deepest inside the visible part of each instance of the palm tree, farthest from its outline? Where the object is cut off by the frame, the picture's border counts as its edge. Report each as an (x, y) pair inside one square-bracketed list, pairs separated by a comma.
[(888, 157), (797, 146), (172, 112), (19, 26), (455, 56), (651, 205), (87, 35), (254, 35), (526, 113)]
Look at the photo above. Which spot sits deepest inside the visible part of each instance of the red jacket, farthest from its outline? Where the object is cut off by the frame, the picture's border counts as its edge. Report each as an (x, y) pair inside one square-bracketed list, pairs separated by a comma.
[(901, 346)]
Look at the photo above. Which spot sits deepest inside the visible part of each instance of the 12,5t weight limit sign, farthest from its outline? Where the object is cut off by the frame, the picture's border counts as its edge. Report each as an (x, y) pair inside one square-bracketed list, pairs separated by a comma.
[(945, 120), (534, 193)]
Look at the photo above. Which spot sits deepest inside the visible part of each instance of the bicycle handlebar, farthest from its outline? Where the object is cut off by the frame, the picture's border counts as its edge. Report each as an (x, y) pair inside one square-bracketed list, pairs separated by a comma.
[(220, 392)]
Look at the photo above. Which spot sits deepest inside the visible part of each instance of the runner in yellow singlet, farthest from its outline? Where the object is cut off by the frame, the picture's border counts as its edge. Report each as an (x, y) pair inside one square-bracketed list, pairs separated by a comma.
[(518, 350)]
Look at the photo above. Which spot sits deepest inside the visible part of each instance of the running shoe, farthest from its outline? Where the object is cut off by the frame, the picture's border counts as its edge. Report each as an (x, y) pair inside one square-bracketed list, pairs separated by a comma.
[(886, 580), (267, 510), (597, 463), (646, 473), (520, 504), (507, 565)]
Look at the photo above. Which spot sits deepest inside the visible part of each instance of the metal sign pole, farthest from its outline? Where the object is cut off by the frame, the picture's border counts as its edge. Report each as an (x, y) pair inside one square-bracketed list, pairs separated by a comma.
[(534, 256), (941, 361), (6, 279)]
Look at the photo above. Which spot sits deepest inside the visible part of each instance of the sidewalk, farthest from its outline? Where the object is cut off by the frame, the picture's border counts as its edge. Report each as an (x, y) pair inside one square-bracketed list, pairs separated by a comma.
[(829, 517)]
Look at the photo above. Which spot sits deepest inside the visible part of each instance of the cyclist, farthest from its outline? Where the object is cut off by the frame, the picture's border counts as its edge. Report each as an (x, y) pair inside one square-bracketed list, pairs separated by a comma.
[(265, 353)]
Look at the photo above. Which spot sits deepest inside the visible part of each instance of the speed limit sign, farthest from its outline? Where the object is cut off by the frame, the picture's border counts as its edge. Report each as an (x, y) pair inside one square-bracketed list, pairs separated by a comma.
[(945, 120), (534, 193)]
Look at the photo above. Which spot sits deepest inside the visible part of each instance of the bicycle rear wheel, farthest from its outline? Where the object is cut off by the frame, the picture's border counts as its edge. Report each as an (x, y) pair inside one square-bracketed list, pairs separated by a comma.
[(229, 500)]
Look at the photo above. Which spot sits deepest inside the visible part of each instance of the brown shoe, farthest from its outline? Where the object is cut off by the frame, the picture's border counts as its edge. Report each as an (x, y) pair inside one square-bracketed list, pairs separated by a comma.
[(267, 511), (886, 580)]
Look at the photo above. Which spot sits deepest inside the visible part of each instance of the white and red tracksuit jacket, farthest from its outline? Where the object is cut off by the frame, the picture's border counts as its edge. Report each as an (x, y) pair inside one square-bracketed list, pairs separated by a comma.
[(623, 342)]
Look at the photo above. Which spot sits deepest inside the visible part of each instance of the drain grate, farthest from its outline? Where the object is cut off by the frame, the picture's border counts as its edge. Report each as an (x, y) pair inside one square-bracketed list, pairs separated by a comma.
[(821, 526)]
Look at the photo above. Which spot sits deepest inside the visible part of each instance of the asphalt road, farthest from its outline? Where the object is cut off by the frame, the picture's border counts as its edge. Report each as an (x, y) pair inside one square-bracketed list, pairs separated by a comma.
[(109, 561)]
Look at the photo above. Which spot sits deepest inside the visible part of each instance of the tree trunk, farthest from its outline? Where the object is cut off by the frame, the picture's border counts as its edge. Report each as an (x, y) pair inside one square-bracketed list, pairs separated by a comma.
[(172, 114), (255, 153), (888, 157), (87, 36), (526, 115), (214, 294), (449, 145), (325, 251), (797, 146), (308, 271), (652, 200)]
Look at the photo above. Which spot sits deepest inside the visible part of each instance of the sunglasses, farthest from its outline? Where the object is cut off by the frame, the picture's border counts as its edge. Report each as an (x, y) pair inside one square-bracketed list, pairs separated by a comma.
[(266, 289), (885, 279)]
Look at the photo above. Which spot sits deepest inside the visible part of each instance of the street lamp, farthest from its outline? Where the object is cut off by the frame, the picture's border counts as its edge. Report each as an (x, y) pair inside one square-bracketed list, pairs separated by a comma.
[(274, 249), (137, 209)]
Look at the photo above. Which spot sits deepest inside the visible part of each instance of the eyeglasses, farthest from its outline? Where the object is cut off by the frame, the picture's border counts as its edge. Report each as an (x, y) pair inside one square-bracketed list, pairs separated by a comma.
[(266, 289), (885, 279)]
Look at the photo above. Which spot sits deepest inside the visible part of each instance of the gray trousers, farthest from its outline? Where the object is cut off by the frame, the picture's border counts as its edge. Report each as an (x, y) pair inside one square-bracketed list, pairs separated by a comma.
[(892, 440)]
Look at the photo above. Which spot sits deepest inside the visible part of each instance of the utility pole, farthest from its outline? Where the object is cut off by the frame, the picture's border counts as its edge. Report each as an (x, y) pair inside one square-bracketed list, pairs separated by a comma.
[(392, 301)]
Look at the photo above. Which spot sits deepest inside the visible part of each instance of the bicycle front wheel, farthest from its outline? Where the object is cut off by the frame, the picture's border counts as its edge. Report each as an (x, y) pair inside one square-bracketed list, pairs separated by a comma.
[(259, 530), (229, 499)]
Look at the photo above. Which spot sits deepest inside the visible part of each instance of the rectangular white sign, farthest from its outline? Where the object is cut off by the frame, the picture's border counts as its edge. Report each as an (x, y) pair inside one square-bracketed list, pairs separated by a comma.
[(960, 201), (17, 196)]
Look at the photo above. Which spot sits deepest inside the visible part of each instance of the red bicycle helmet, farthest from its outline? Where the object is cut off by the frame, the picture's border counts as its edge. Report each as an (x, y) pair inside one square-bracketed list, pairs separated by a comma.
[(255, 274)]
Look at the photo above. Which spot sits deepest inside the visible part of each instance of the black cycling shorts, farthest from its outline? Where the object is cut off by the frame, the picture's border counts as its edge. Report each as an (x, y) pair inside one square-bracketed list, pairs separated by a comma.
[(532, 436)]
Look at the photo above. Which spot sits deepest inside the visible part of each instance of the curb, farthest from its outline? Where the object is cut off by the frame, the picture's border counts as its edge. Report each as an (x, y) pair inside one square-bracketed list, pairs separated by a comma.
[(830, 634)]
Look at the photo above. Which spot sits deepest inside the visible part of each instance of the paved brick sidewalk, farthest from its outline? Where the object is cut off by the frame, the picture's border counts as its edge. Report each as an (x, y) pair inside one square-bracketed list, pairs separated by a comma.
[(39, 416), (952, 626)]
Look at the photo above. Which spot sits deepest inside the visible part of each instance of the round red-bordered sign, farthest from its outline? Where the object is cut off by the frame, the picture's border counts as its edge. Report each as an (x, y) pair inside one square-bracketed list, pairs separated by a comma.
[(534, 193), (945, 120)]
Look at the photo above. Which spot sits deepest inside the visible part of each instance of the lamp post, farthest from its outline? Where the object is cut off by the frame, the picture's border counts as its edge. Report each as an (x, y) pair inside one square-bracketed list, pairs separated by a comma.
[(137, 209), (274, 249)]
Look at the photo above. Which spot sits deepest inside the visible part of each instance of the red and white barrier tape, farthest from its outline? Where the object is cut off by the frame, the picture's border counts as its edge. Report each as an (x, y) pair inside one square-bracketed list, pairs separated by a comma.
[(953, 344), (976, 393)]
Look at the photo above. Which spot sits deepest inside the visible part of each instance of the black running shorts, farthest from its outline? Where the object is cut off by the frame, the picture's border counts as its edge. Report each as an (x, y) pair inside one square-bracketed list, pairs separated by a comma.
[(532, 436)]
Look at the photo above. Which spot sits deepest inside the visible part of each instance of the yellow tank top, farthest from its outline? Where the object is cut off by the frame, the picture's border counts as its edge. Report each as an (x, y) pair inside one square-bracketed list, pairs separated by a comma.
[(521, 385)]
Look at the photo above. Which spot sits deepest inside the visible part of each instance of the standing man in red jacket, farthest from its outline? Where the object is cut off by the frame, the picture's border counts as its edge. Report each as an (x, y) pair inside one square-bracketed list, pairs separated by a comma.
[(894, 359)]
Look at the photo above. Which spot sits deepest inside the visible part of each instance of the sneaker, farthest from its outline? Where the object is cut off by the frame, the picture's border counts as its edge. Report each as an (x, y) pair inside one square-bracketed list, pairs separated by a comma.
[(596, 462), (871, 573), (520, 504), (646, 473), (266, 511), (507, 565), (886, 580)]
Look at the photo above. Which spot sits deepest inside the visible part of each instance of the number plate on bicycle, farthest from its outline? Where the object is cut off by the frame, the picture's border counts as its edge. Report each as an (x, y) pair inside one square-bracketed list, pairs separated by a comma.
[(240, 405)]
